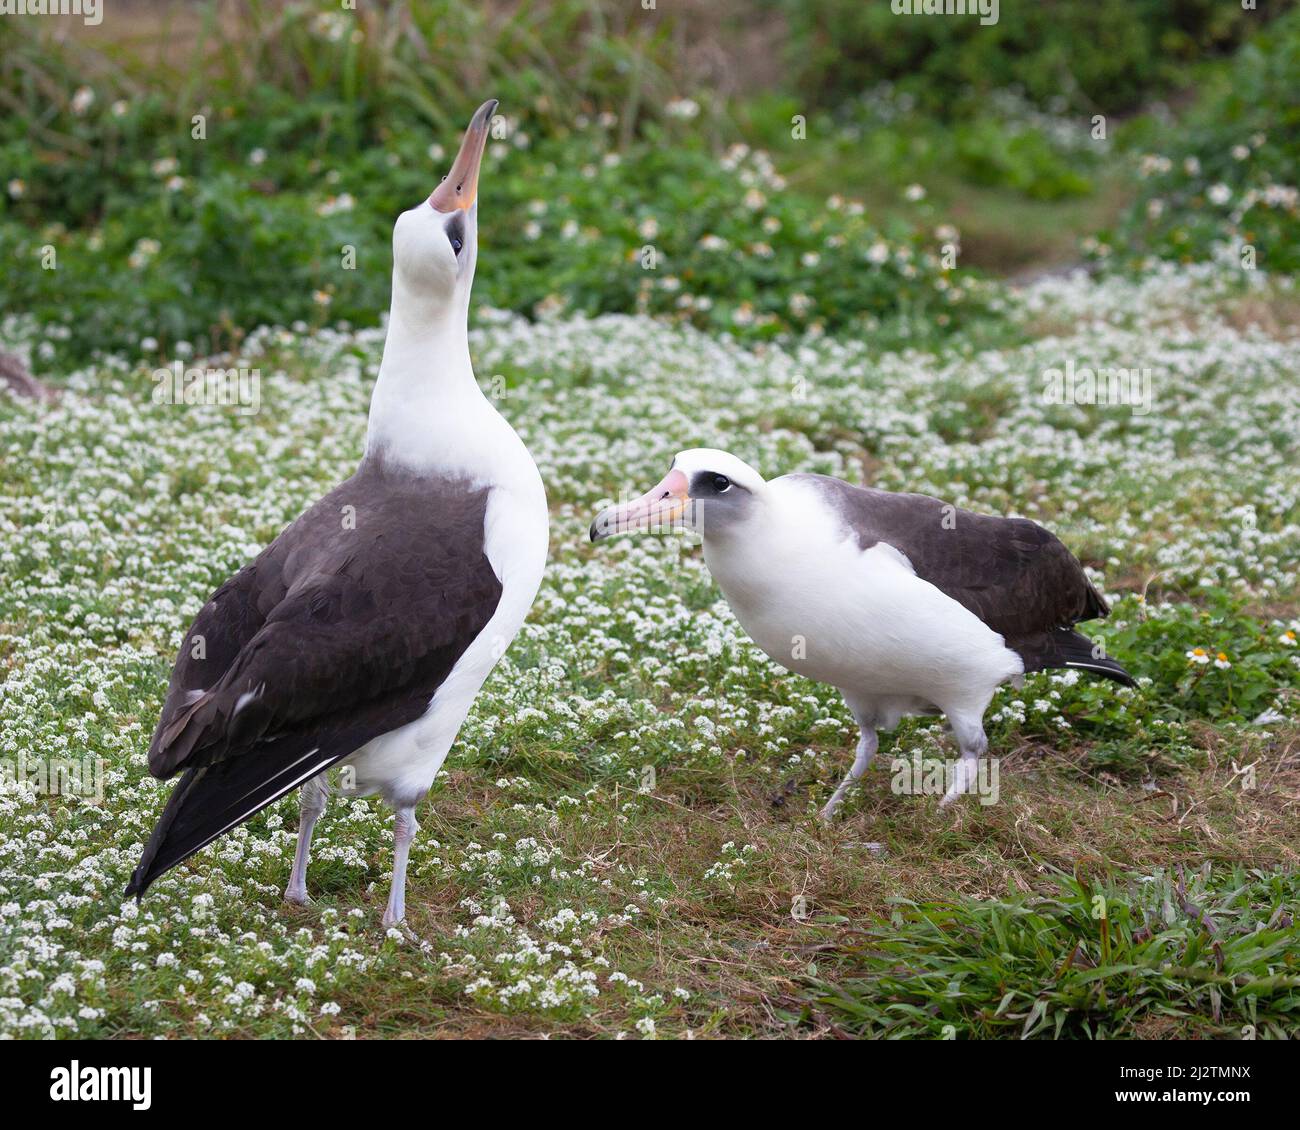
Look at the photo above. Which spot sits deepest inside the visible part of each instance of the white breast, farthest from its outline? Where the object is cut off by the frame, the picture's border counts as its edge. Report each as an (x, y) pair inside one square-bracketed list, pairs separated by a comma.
[(404, 762), (858, 620)]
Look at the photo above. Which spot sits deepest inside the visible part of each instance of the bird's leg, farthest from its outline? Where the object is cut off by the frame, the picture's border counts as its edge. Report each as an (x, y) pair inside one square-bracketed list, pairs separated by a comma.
[(973, 745), (404, 829), (867, 745), (311, 803)]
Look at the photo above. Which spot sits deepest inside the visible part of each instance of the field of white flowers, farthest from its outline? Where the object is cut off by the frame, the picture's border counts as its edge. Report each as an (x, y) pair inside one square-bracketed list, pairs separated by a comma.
[(558, 886)]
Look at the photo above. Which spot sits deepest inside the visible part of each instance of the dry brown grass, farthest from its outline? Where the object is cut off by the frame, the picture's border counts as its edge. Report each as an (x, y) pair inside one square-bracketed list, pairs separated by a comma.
[(747, 948)]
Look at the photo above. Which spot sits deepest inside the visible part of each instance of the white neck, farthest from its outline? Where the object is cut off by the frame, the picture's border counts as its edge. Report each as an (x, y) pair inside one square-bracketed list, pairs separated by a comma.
[(426, 382)]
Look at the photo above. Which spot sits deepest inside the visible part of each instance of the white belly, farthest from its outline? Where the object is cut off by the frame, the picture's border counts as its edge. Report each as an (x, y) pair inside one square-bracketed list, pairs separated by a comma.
[(859, 620), (403, 763)]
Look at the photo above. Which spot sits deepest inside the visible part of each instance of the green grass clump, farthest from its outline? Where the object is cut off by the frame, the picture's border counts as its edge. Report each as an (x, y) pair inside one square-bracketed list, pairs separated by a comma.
[(1214, 954)]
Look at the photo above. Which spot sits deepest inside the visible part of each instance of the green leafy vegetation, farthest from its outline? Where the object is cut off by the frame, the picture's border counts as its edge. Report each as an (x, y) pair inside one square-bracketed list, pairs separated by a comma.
[(1224, 185), (159, 220), (1112, 54), (1210, 955)]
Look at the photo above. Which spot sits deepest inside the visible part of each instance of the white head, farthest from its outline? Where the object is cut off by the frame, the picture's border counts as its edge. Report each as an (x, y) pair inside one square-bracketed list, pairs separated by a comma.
[(706, 490), (435, 244)]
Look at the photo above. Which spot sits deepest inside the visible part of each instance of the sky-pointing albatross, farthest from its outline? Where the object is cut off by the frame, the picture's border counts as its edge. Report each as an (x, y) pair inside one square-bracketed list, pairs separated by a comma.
[(363, 633)]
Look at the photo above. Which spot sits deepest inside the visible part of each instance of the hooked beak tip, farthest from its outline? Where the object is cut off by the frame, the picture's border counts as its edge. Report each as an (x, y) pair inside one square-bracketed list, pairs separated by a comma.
[(459, 189)]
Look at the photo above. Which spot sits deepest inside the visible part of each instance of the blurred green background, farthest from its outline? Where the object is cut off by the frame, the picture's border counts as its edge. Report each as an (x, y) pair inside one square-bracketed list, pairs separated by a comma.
[(825, 166)]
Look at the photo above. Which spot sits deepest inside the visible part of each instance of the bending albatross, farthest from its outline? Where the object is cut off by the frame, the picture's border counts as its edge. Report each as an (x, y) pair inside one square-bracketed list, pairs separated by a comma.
[(364, 631), (903, 603)]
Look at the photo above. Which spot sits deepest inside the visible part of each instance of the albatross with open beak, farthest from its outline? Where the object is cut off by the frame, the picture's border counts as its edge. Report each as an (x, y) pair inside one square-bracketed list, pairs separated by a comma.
[(905, 604), (363, 633)]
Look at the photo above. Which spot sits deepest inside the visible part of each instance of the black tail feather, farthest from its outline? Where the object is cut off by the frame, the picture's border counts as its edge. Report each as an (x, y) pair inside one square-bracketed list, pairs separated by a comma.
[(1066, 648), (212, 799)]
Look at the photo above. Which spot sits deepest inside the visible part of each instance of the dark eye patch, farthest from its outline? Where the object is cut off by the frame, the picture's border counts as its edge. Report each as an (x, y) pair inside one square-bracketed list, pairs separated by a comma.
[(711, 483), (456, 232)]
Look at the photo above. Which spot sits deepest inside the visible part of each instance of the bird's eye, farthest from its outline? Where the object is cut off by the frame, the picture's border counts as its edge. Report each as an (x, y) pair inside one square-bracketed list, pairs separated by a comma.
[(721, 483), (456, 233)]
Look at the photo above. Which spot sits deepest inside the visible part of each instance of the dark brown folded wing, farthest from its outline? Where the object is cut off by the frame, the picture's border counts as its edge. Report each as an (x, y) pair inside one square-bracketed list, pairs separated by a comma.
[(342, 630), (1010, 572)]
